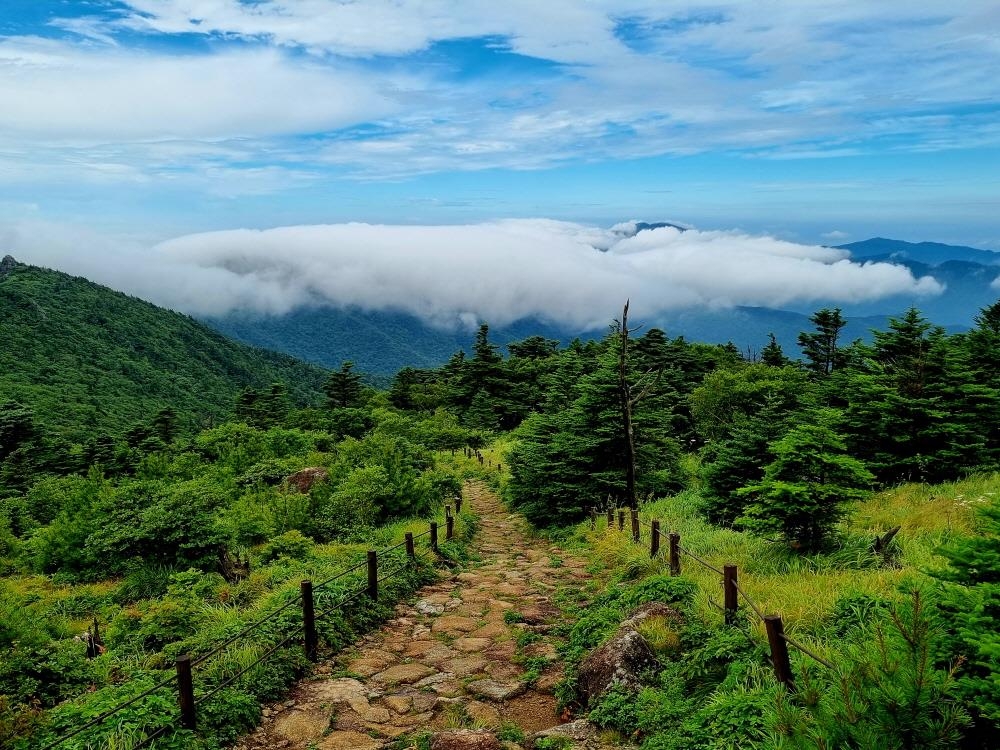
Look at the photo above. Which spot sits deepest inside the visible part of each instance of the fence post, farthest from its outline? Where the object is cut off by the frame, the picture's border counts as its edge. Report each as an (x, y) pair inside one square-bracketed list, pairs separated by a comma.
[(449, 527), (373, 575), (410, 552), (458, 504), (635, 525), (499, 467), (434, 536), (308, 620), (611, 518), (621, 520), (593, 518), (779, 650), (675, 553), (185, 691), (730, 596), (654, 538), (447, 511)]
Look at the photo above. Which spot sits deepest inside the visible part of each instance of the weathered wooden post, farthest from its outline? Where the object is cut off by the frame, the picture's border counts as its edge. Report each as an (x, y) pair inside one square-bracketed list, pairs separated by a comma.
[(675, 553), (593, 518), (447, 511), (373, 575), (499, 467), (449, 527), (731, 601), (635, 526), (308, 620), (410, 551), (434, 536), (458, 503), (779, 650), (621, 520), (654, 539), (185, 692), (611, 517)]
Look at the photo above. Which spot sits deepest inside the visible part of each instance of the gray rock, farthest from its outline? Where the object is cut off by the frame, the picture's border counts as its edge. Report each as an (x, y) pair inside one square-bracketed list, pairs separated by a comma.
[(496, 691)]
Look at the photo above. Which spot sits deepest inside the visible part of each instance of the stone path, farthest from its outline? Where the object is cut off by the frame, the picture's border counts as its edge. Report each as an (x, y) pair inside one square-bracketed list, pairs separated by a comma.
[(474, 651)]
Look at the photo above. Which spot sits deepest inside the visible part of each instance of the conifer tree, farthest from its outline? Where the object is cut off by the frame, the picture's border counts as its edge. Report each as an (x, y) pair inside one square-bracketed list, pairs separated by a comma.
[(772, 354), (343, 387), (820, 348)]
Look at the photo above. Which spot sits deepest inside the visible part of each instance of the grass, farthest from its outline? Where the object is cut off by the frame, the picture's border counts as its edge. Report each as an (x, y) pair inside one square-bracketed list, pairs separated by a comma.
[(803, 589)]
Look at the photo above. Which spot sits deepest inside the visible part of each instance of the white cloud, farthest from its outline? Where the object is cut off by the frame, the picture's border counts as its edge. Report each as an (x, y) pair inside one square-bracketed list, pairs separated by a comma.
[(53, 92), (567, 273), (836, 235)]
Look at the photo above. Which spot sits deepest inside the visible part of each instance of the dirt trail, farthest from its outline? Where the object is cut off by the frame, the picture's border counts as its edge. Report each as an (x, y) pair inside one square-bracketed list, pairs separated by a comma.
[(449, 660)]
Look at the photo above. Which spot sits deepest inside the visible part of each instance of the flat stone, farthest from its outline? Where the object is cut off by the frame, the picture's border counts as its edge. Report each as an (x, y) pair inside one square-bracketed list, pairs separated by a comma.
[(404, 674), (464, 665), (302, 726), (399, 703), (371, 662), (416, 720), (496, 691), (471, 645), (454, 623), (493, 630), (465, 739), (349, 741), (340, 691), (427, 607)]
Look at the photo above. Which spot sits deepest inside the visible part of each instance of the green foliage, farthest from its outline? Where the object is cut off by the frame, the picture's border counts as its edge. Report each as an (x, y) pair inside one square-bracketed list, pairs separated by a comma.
[(970, 611), (806, 488)]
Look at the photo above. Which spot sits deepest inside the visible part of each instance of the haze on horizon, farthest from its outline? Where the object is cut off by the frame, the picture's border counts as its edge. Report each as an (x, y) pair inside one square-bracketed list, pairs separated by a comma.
[(165, 147)]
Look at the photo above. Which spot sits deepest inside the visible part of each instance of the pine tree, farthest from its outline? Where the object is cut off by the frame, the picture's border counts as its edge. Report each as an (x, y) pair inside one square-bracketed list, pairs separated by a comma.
[(343, 387), (772, 354), (820, 348), (806, 487)]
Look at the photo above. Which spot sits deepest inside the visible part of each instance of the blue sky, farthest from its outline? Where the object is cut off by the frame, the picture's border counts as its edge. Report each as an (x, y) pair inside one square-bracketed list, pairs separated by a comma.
[(819, 121)]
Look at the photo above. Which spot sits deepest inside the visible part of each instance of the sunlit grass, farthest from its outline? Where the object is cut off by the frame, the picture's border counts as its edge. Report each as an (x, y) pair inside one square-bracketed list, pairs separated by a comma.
[(804, 590)]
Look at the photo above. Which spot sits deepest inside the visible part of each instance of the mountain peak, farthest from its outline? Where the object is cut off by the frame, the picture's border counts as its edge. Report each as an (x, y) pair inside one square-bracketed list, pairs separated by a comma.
[(7, 265)]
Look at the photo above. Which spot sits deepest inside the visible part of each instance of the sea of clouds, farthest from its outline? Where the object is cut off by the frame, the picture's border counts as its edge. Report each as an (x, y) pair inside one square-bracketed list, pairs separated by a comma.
[(499, 271)]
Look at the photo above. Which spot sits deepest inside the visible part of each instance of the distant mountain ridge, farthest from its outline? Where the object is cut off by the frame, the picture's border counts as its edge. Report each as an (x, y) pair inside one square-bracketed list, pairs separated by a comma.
[(83, 356), (930, 253)]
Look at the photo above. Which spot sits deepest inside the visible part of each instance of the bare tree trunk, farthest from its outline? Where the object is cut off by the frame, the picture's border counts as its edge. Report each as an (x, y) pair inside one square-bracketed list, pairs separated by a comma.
[(625, 392)]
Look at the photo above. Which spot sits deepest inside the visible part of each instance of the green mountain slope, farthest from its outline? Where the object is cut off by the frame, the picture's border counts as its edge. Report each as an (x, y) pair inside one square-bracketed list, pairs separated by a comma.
[(88, 359)]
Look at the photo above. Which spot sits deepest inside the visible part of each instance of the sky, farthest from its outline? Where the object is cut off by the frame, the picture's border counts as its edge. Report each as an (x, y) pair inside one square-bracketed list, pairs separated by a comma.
[(127, 126)]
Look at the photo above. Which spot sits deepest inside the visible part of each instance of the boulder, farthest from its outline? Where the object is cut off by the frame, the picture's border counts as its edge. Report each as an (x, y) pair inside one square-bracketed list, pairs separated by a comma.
[(622, 661), (305, 479)]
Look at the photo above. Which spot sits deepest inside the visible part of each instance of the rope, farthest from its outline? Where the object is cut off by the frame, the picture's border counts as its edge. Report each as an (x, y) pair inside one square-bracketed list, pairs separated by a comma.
[(154, 736), (252, 626), (245, 669), (349, 599), (754, 607), (699, 560), (807, 652), (340, 575), (391, 573), (107, 714)]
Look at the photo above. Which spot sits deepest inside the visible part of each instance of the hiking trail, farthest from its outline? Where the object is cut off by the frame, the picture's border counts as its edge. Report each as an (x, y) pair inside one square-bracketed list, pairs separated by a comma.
[(452, 659)]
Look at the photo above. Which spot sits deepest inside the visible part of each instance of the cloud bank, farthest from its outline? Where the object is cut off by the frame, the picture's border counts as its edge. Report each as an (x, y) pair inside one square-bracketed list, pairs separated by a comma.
[(565, 273)]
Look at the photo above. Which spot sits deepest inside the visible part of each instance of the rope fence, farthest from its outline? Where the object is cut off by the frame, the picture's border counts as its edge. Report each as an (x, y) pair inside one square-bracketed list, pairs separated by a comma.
[(778, 641), (181, 680)]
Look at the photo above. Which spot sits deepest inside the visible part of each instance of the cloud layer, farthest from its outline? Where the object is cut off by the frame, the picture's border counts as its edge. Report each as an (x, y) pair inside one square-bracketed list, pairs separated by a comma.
[(566, 273)]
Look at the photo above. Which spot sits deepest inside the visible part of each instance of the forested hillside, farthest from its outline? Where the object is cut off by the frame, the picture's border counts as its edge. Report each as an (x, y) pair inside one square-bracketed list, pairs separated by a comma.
[(799, 470), (87, 360)]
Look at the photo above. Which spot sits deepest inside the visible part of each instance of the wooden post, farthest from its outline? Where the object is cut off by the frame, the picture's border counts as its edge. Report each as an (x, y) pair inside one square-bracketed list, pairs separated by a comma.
[(621, 520), (593, 518), (308, 620), (447, 511), (611, 517), (499, 467), (654, 539), (731, 600), (449, 527), (779, 650), (410, 551), (373, 575), (458, 503), (185, 691), (635, 526), (675, 553), (434, 536)]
